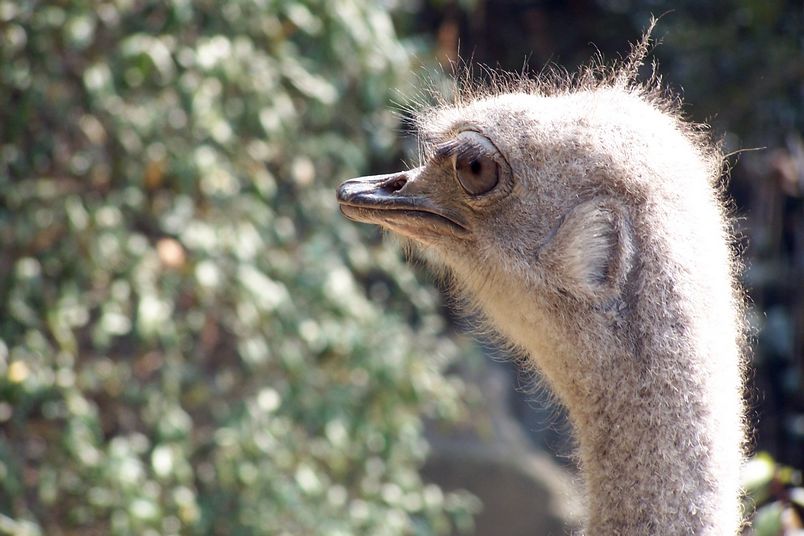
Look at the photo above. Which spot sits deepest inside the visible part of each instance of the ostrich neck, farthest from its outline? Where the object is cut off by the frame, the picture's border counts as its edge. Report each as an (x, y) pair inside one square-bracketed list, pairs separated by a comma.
[(656, 409), (653, 459)]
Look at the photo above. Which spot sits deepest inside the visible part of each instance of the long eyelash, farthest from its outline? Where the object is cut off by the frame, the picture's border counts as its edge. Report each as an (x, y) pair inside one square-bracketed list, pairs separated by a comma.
[(470, 151), (463, 149), (446, 149)]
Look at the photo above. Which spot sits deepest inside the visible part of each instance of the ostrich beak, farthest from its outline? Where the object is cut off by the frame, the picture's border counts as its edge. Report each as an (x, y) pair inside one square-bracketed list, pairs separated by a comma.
[(397, 201)]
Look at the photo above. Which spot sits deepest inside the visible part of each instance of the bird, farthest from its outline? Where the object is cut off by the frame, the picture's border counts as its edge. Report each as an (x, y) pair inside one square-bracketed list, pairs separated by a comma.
[(585, 219)]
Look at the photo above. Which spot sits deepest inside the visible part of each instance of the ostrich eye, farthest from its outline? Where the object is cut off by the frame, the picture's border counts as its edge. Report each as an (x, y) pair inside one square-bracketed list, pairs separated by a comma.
[(475, 161), (477, 174)]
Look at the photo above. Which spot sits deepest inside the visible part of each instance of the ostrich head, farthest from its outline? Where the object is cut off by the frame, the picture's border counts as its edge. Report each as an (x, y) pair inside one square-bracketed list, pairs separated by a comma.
[(502, 175), (530, 199), (584, 223)]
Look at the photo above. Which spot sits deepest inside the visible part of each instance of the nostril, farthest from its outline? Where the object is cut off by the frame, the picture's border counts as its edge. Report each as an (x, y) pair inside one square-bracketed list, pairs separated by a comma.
[(397, 183)]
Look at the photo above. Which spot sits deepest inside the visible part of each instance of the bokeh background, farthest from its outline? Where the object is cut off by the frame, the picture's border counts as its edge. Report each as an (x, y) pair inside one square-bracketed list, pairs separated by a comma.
[(193, 341)]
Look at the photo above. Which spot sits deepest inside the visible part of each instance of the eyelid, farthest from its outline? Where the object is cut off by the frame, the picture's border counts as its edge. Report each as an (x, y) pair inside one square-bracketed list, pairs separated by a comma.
[(466, 145), (468, 153), (447, 148)]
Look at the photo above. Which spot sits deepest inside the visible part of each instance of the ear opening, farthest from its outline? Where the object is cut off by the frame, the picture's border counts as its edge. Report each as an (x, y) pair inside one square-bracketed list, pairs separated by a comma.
[(591, 251)]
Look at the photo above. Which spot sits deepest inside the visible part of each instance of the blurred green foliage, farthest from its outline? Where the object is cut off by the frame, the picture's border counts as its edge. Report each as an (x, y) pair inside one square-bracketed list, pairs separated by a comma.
[(192, 339), (775, 495)]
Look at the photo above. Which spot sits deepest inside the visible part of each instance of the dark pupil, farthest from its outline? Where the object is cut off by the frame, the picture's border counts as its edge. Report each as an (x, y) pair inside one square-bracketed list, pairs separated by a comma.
[(475, 166)]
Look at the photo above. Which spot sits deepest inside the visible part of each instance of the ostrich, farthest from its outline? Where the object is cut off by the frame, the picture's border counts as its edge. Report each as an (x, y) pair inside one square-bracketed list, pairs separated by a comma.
[(582, 217)]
